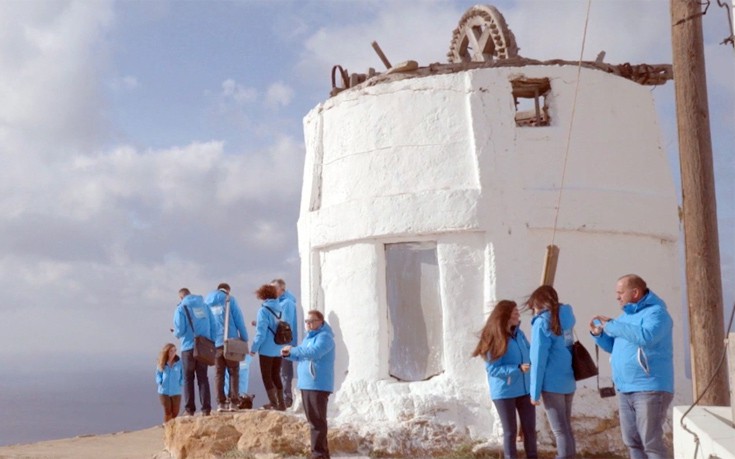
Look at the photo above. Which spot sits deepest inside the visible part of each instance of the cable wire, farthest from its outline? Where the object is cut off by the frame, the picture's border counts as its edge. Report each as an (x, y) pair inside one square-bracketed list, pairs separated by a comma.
[(571, 123)]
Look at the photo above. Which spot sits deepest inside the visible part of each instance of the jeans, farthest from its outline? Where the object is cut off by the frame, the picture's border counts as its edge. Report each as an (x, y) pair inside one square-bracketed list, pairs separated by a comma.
[(193, 368), (286, 378), (507, 408), (315, 409), (233, 368), (642, 415), (559, 413)]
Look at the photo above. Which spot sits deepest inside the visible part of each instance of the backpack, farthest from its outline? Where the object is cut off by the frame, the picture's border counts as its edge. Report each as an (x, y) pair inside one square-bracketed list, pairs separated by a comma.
[(283, 333)]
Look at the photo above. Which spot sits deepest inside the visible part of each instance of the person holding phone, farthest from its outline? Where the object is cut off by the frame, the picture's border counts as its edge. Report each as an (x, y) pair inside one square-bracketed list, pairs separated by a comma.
[(315, 358), (505, 349), (640, 343)]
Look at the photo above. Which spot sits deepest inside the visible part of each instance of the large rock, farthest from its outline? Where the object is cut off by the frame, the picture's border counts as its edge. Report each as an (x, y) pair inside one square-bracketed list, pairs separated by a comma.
[(258, 433)]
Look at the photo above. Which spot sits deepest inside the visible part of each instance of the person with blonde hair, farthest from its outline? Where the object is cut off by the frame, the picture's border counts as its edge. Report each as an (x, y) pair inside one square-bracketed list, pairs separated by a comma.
[(170, 379), (505, 349)]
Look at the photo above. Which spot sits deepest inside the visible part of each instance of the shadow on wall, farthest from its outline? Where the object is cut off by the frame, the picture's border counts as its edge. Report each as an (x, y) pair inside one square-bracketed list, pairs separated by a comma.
[(342, 357)]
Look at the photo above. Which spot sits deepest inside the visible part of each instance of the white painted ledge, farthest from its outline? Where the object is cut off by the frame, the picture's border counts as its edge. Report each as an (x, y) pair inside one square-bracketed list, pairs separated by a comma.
[(714, 427)]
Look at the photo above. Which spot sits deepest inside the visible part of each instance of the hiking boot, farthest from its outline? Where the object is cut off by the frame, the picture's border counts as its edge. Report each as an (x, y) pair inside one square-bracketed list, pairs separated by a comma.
[(280, 405)]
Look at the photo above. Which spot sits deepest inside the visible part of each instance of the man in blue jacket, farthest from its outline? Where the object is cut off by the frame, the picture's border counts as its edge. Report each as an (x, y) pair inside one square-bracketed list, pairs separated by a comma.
[(288, 304), (217, 302), (641, 345), (194, 318), (315, 357)]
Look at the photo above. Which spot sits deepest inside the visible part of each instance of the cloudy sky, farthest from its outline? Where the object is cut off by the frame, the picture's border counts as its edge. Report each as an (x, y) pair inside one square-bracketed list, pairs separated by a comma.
[(150, 145)]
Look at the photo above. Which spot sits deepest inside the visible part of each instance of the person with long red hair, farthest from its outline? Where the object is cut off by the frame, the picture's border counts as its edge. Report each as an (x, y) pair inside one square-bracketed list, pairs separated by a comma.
[(505, 349)]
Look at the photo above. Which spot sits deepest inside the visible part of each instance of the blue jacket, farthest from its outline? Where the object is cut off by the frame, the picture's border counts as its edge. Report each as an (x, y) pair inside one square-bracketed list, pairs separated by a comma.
[(265, 330), (170, 379), (551, 355), (288, 303), (315, 356), (216, 302), (639, 339), (201, 317), (505, 378)]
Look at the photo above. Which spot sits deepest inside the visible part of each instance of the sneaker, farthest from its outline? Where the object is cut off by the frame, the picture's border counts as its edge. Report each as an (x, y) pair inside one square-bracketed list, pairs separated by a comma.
[(188, 413), (232, 407), (223, 407)]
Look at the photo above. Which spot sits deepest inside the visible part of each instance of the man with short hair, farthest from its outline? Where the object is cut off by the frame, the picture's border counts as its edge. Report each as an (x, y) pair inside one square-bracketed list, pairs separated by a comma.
[(641, 345), (288, 304), (315, 357), (217, 302), (194, 318)]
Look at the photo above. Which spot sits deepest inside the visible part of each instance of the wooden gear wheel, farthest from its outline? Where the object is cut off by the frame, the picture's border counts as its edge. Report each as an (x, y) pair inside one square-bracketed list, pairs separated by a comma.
[(482, 36)]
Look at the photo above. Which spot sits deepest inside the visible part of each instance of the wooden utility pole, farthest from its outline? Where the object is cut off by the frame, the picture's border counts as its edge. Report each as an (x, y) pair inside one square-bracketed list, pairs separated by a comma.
[(704, 283)]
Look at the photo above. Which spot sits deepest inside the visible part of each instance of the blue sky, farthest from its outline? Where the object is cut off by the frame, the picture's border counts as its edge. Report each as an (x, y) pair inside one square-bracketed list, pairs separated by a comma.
[(150, 145)]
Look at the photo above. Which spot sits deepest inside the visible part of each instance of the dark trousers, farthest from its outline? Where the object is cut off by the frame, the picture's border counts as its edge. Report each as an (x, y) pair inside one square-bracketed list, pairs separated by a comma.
[(233, 368), (193, 368), (507, 408), (315, 408), (286, 378), (171, 405), (270, 371)]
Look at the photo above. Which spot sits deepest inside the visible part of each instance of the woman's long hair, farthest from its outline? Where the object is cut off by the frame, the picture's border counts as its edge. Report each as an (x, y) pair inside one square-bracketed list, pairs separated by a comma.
[(545, 297), (494, 336), (163, 355)]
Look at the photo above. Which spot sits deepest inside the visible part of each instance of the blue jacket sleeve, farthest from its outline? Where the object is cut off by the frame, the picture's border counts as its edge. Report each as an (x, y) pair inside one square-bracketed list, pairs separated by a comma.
[(239, 320), (313, 350), (180, 323), (540, 344), (604, 341), (159, 377), (261, 330), (295, 326), (212, 323), (648, 331)]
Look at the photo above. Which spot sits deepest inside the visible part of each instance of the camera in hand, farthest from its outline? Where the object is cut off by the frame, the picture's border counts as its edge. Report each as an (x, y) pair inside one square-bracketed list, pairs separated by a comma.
[(607, 392)]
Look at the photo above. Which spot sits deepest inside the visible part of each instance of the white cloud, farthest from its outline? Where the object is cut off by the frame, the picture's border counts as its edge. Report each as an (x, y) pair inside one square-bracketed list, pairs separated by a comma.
[(241, 95), (278, 94)]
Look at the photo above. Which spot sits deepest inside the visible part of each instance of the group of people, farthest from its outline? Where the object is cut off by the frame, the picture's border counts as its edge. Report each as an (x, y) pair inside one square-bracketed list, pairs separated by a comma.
[(196, 316), (523, 374)]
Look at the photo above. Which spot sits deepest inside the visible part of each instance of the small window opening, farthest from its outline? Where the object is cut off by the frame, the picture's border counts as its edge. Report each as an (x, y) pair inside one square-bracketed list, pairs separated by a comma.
[(530, 97)]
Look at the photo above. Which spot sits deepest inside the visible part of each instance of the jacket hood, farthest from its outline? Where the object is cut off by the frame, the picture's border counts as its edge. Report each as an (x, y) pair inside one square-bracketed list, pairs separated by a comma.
[(649, 299), (325, 328)]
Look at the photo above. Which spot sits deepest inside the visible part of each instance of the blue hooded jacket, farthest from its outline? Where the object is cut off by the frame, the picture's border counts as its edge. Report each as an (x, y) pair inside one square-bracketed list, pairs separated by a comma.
[(201, 317), (641, 345), (265, 330), (505, 378), (171, 378), (315, 356), (551, 357), (288, 303), (216, 302)]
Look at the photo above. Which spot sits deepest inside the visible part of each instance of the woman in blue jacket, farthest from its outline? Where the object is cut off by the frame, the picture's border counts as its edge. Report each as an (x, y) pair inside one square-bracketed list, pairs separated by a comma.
[(505, 349), (552, 377), (264, 344), (315, 357), (170, 379)]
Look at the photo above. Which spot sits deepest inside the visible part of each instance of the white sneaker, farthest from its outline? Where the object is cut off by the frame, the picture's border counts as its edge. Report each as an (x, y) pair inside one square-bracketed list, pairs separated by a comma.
[(223, 407)]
